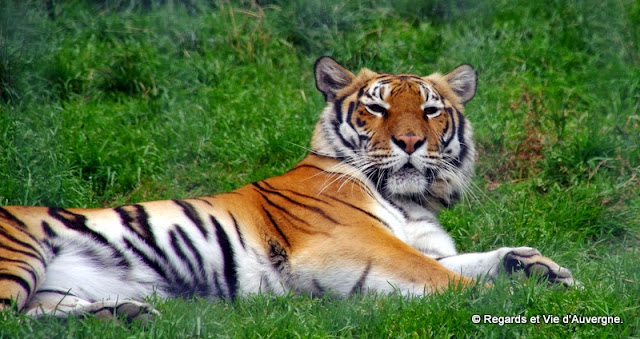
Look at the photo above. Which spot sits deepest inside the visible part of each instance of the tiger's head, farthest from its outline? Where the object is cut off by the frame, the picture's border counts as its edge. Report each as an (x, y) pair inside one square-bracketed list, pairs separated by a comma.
[(406, 133)]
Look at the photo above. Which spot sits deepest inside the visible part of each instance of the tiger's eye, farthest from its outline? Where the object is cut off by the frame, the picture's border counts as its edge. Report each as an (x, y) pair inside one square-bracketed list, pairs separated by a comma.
[(376, 109), (431, 111)]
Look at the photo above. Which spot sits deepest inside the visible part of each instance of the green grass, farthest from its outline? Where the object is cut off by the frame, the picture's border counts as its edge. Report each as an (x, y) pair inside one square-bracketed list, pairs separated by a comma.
[(111, 102)]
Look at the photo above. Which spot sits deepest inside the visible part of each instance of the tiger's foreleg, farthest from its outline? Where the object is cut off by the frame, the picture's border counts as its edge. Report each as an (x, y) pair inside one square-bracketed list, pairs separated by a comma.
[(431, 239), (511, 260), (379, 262)]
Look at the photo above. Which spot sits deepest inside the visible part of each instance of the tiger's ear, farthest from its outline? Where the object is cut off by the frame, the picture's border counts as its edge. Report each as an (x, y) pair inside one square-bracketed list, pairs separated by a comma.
[(462, 81), (331, 77)]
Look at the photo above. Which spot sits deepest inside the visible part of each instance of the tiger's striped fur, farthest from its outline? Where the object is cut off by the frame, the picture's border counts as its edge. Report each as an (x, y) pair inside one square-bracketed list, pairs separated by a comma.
[(357, 214)]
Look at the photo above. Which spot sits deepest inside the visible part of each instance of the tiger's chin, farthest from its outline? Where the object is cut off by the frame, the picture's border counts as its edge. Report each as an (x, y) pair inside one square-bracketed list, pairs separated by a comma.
[(408, 182)]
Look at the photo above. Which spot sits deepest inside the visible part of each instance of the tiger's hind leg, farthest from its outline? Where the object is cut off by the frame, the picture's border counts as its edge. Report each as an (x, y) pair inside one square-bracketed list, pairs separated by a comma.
[(23, 260), (63, 304)]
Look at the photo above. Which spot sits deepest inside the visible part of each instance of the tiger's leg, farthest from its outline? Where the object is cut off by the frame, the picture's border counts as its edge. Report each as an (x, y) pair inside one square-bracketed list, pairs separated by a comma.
[(64, 304), (377, 261), (23, 260), (429, 238), (509, 259)]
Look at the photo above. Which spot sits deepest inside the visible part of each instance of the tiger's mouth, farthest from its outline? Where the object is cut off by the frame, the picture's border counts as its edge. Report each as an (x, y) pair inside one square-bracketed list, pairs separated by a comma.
[(409, 181), (408, 169)]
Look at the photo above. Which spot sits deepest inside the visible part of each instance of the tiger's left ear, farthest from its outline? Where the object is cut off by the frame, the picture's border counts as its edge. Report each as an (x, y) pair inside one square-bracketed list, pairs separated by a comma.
[(462, 81), (331, 77)]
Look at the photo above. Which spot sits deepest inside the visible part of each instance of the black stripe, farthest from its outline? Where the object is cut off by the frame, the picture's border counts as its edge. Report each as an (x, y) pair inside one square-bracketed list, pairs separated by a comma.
[(290, 215), (311, 208), (451, 121), (339, 120), (11, 217), (23, 283), (25, 231), (46, 228), (445, 143), (275, 225), (4, 233), (29, 254), (141, 219), (230, 273), (77, 222), (359, 209), (463, 147), (153, 264), (296, 193), (199, 284), (31, 270), (187, 241), (337, 107), (54, 249), (313, 167), (309, 166), (336, 129), (192, 214), (282, 209), (18, 261), (352, 106), (206, 201), (399, 208), (177, 283), (240, 236), (126, 218), (175, 245), (357, 288)]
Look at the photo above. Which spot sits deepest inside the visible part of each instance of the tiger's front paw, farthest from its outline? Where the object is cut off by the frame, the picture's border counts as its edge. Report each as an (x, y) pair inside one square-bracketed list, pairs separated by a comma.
[(532, 263)]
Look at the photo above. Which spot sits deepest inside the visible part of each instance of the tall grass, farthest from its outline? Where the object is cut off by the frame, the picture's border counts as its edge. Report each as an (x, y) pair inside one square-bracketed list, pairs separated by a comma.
[(112, 102)]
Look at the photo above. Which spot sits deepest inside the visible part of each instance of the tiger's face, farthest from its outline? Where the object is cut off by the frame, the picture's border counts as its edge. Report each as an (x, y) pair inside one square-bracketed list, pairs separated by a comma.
[(405, 132)]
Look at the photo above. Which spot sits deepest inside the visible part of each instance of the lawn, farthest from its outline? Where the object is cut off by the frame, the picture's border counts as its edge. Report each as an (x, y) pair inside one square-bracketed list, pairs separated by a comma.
[(104, 103)]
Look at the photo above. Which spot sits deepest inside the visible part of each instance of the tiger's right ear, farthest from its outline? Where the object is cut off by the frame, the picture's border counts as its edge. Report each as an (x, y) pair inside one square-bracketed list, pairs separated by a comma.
[(331, 77)]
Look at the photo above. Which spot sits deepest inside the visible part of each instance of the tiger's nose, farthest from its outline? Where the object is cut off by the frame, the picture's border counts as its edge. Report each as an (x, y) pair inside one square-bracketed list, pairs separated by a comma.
[(408, 142)]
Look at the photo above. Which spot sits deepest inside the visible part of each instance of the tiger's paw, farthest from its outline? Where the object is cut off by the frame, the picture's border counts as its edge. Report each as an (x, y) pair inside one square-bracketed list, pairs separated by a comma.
[(130, 310), (529, 261)]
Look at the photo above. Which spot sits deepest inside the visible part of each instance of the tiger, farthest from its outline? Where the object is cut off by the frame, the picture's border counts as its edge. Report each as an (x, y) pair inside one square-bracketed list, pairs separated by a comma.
[(358, 214)]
